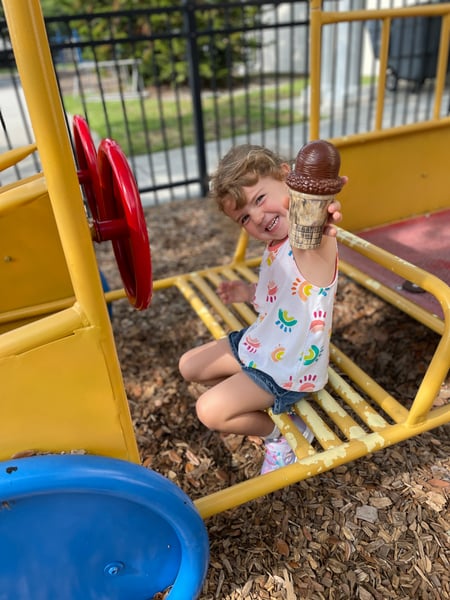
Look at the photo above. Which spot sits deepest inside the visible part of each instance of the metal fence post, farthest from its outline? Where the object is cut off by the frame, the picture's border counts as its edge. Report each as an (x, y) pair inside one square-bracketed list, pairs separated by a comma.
[(195, 87)]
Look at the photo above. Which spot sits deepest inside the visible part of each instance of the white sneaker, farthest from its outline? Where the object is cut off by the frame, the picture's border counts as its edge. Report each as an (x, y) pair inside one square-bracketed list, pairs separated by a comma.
[(278, 453)]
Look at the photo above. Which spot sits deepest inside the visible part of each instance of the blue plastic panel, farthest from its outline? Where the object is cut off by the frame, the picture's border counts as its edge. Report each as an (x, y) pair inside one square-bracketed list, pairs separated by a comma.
[(91, 528)]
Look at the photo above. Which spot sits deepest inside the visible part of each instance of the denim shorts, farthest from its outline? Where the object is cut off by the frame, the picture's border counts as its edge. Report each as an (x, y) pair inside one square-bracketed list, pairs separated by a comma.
[(283, 399)]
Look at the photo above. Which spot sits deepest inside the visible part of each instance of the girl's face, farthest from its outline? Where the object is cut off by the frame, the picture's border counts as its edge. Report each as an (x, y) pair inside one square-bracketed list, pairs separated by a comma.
[(265, 214)]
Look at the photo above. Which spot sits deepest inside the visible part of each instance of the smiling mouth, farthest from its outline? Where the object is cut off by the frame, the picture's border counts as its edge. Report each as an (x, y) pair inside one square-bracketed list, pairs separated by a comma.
[(272, 224)]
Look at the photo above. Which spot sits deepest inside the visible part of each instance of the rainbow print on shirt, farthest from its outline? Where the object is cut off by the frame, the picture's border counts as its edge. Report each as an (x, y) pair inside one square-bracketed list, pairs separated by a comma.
[(252, 344), (312, 355), (302, 289), (285, 322)]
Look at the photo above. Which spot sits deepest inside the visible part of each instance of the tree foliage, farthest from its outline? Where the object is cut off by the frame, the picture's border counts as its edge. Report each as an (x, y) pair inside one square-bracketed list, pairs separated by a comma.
[(159, 35)]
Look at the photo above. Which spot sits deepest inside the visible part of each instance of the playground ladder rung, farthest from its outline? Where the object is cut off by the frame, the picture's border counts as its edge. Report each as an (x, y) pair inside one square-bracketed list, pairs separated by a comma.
[(199, 307), (355, 401), (385, 401), (318, 424), (340, 417)]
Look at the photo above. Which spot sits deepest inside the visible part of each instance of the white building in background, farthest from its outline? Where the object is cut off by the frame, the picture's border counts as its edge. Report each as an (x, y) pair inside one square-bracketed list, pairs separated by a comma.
[(284, 52), (288, 53)]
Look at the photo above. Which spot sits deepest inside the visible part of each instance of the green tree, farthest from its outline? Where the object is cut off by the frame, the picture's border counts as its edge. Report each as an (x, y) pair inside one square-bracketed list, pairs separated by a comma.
[(158, 37)]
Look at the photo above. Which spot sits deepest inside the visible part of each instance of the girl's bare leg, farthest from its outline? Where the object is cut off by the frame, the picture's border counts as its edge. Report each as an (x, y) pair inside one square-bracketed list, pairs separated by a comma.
[(236, 405), (209, 363)]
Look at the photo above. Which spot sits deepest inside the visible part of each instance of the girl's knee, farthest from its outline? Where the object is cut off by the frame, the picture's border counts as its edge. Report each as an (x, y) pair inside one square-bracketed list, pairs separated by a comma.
[(185, 366), (206, 413)]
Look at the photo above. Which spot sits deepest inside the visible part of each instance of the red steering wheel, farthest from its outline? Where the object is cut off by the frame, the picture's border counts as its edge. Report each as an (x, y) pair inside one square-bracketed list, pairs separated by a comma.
[(87, 163), (123, 222)]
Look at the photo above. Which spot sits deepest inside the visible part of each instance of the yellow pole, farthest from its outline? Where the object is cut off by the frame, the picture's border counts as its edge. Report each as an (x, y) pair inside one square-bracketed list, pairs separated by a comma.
[(442, 65), (35, 66), (315, 17), (384, 53), (34, 62)]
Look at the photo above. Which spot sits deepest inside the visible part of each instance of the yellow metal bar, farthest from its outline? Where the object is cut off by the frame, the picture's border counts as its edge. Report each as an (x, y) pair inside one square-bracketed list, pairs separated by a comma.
[(365, 412), (167, 282), (389, 295), (241, 247), (381, 86), (368, 385), (22, 192), (41, 332), (417, 10), (246, 272), (440, 363), (199, 307), (296, 440), (113, 295), (243, 309), (215, 301), (434, 376), (233, 273), (441, 74), (38, 79), (35, 66), (322, 432), (35, 311), (14, 156), (401, 267), (315, 43), (313, 465), (339, 416)]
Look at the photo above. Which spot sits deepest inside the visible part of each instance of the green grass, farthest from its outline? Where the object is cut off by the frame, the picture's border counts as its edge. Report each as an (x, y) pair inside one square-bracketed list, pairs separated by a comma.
[(250, 112)]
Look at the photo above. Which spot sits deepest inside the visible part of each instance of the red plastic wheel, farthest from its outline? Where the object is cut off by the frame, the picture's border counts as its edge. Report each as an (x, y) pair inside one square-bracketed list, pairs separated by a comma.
[(88, 175), (123, 222)]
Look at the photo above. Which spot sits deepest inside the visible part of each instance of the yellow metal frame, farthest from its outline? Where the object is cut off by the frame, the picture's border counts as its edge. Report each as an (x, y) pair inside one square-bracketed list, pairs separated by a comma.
[(366, 417), (407, 163), (62, 387), (320, 18)]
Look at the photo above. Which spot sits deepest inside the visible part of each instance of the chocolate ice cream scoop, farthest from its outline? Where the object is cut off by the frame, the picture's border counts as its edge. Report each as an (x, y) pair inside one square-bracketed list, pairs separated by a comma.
[(316, 169), (312, 186)]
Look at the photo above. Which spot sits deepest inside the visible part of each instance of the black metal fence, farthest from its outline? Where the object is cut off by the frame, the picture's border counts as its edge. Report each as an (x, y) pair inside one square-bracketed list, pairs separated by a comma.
[(177, 97)]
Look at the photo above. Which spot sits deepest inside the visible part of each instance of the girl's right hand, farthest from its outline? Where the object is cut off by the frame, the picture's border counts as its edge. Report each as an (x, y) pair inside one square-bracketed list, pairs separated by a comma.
[(236, 291)]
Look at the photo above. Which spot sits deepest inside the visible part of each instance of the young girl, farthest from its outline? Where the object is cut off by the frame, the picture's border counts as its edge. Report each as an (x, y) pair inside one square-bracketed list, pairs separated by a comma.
[(284, 354)]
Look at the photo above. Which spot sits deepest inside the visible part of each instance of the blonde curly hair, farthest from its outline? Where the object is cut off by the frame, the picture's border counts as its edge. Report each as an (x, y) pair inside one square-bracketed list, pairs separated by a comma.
[(241, 167)]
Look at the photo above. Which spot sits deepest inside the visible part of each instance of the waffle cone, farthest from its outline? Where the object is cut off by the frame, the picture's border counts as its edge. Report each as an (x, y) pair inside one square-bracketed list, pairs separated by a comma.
[(307, 216)]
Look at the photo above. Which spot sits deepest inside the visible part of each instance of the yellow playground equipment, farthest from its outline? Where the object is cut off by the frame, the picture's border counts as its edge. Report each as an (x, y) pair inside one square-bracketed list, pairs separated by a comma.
[(61, 385)]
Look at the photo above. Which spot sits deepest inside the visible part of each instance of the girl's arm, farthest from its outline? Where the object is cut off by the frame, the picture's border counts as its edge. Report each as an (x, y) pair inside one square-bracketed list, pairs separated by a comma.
[(318, 266)]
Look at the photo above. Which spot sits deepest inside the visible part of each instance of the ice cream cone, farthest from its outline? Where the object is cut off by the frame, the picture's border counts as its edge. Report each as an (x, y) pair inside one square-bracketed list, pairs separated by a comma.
[(308, 214)]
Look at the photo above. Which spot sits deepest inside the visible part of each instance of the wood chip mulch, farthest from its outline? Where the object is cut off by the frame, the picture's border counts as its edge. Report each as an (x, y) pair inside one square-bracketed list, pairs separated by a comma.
[(375, 529)]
